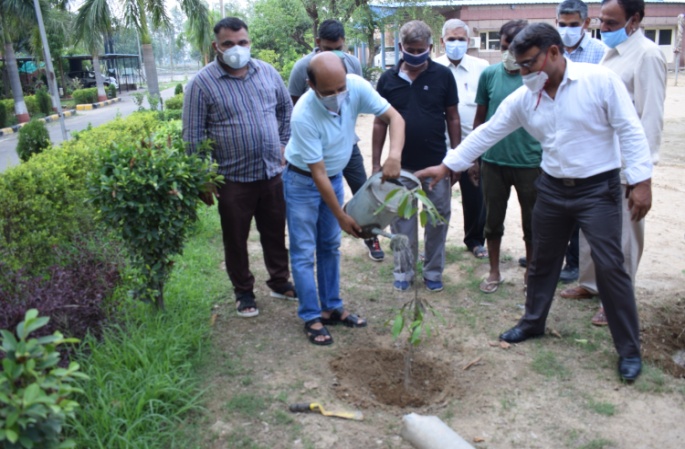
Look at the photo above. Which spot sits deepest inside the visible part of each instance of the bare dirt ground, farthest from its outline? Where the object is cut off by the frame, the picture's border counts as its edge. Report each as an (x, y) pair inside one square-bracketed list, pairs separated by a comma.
[(561, 391)]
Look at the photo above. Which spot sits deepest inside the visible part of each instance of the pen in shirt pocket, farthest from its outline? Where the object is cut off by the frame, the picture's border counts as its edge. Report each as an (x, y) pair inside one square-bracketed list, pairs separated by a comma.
[(466, 86)]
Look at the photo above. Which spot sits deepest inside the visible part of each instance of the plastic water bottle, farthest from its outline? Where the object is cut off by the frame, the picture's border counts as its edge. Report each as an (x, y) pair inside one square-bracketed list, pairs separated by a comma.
[(429, 432)]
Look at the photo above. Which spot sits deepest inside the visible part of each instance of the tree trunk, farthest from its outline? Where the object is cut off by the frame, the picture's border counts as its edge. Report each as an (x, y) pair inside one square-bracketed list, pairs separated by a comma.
[(102, 95), (150, 69), (20, 109)]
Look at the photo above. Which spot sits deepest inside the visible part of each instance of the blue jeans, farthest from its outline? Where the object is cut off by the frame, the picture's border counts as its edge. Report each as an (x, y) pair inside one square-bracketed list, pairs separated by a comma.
[(314, 235)]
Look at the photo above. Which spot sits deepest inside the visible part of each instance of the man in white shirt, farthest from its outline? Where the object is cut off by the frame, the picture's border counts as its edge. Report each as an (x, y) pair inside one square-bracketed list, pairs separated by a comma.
[(580, 180), (466, 70), (642, 67)]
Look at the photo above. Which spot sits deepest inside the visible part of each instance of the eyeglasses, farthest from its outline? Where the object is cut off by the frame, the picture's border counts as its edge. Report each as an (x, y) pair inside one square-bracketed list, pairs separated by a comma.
[(531, 62)]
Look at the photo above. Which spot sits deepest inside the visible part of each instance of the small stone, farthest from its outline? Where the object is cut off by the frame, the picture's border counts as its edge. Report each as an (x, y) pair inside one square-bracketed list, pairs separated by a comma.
[(311, 385)]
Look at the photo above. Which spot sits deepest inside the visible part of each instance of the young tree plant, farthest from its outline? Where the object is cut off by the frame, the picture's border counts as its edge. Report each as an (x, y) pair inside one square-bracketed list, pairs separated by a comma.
[(412, 315)]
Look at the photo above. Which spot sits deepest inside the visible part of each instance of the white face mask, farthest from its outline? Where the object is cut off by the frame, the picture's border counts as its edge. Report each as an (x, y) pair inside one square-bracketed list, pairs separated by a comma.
[(509, 61), (570, 36), (333, 102), (456, 49), (236, 57), (535, 81)]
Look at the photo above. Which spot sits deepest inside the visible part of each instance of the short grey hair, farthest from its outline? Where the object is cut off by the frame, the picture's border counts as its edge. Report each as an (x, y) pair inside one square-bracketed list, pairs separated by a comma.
[(453, 24), (416, 31), (572, 7)]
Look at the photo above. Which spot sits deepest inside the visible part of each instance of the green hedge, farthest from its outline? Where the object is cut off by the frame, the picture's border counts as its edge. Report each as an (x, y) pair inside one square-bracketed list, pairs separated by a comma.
[(174, 103), (43, 206), (85, 96)]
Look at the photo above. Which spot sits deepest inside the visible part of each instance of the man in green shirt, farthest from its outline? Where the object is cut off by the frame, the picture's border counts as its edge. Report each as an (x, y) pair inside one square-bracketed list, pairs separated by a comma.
[(514, 161)]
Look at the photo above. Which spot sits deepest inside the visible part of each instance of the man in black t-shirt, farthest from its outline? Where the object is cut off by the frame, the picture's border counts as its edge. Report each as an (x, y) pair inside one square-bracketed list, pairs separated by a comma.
[(425, 95)]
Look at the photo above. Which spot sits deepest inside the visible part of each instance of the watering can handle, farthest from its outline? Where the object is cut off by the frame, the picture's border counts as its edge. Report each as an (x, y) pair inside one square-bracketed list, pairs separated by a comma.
[(395, 181)]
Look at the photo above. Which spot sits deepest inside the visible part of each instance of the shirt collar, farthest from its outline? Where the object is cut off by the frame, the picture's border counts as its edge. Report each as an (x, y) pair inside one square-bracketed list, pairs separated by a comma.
[(466, 63), (623, 46), (430, 68)]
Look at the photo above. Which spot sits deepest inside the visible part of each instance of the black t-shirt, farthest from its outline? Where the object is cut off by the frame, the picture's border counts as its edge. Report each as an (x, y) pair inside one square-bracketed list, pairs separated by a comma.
[(422, 104)]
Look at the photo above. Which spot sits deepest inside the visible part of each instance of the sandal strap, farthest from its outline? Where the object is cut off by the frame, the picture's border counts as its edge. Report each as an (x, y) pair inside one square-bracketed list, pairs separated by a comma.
[(246, 302)]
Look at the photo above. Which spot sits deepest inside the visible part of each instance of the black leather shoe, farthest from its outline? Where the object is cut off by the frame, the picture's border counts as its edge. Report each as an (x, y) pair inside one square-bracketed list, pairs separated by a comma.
[(629, 367), (568, 275), (517, 335)]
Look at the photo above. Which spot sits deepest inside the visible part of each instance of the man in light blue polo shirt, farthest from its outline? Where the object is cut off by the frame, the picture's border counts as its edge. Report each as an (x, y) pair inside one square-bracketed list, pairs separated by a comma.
[(320, 147)]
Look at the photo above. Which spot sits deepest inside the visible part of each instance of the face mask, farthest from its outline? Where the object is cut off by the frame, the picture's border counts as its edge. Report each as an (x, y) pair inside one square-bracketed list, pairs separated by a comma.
[(570, 36), (415, 60), (456, 49), (536, 81), (614, 38), (509, 61), (333, 102), (236, 57)]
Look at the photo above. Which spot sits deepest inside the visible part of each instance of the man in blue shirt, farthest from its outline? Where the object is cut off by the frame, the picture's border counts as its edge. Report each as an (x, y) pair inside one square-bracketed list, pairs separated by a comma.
[(320, 147)]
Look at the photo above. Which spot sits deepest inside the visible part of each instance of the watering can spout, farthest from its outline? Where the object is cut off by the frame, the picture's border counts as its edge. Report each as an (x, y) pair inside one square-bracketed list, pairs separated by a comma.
[(377, 231)]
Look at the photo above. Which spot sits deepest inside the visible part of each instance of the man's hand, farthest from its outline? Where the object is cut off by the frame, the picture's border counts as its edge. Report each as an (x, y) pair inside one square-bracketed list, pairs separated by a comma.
[(208, 193), (639, 199), (454, 177), (474, 174), (391, 169), (348, 225), (437, 172)]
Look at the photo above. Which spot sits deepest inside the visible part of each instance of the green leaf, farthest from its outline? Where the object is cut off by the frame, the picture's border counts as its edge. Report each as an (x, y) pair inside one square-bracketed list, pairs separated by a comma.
[(36, 324), (423, 218), (31, 394), (415, 338), (11, 435), (397, 325)]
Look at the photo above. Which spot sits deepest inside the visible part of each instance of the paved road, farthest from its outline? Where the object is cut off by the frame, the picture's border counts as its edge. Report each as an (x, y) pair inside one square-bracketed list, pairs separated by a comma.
[(95, 117)]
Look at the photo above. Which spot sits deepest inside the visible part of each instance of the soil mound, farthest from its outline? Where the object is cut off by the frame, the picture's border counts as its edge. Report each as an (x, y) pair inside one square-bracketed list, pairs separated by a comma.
[(375, 376), (663, 338)]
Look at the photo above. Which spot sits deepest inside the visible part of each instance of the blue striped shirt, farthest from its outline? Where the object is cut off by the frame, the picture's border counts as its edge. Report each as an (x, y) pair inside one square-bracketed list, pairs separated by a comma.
[(590, 50), (247, 119)]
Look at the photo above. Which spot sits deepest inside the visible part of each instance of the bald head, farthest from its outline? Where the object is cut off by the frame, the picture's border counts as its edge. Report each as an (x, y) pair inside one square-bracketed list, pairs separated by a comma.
[(326, 73)]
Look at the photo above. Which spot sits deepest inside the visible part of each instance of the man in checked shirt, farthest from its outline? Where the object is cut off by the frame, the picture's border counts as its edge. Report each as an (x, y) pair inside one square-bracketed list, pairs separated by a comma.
[(242, 105)]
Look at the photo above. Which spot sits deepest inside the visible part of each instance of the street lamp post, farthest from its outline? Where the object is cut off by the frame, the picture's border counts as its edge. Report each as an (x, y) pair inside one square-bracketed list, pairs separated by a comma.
[(52, 81)]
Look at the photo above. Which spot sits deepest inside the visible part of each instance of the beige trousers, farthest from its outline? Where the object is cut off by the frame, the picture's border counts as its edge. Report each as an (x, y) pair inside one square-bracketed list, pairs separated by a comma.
[(632, 243)]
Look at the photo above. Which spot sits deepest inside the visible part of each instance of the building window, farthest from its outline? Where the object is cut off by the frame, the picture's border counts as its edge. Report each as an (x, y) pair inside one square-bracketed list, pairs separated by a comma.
[(489, 40), (665, 37), (660, 36)]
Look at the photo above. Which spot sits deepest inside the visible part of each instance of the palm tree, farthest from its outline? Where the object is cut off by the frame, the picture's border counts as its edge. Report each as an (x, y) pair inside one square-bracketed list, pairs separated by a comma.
[(92, 22), (15, 15), (135, 14)]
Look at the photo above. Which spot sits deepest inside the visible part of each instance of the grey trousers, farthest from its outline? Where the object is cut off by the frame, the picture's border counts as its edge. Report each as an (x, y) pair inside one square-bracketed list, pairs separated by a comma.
[(434, 235), (597, 210)]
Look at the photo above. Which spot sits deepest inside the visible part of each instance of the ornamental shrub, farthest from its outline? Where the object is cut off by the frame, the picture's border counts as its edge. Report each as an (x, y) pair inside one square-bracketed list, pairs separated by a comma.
[(111, 91), (42, 201), (179, 89), (85, 96), (44, 101), (31, 104), (35, 393), (33, 139), (175, 102), (149, 195)]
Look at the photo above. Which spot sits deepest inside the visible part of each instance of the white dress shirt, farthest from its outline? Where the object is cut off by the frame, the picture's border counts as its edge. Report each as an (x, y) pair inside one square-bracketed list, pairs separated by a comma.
[(642, 66), (576, 129), (466, 74)]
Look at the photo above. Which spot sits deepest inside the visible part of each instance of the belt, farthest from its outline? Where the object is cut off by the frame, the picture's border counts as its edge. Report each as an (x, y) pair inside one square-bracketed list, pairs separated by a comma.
[(299, 171), (573, 182)]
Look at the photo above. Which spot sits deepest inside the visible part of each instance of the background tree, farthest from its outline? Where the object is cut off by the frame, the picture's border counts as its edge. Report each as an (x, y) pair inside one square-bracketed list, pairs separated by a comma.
[(93, 21), (15, 16)]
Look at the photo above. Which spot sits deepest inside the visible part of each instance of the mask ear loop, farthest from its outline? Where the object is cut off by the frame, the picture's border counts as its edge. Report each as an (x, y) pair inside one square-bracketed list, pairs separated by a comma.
[(543, 87)]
